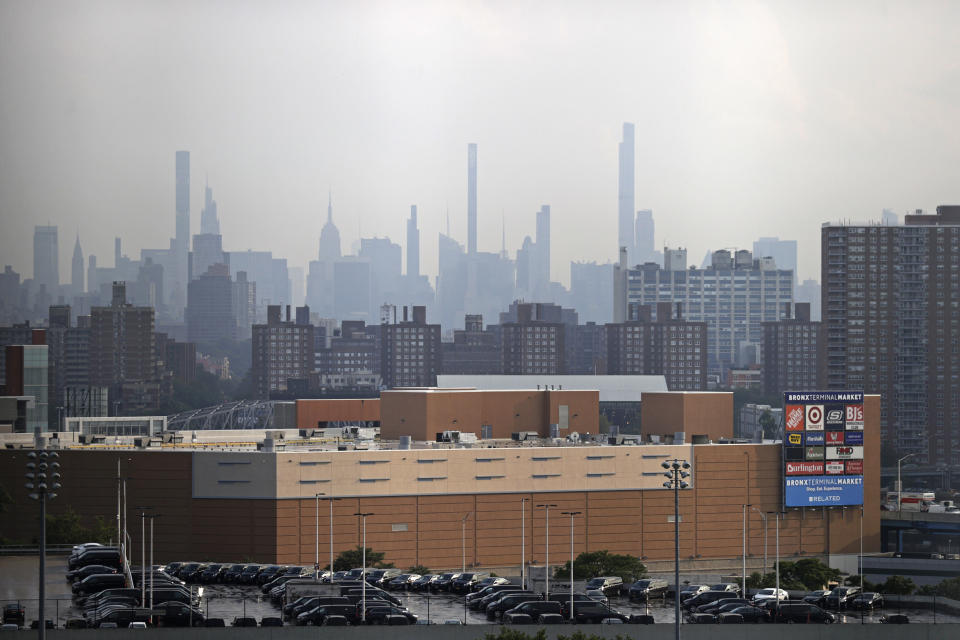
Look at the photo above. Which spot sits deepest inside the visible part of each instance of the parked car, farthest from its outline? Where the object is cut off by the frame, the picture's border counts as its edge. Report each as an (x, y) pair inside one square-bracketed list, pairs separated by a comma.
[(489, 582), (423, 582), (705, 597), (509, 617), (231, 573), (692, 591), (244, 622), (714, 607), (14, 613), (506, 602), (186, 570), (400, 582), (729, 587), (841, 597), (178, 614), (335, 621), (214, 622), (607, 584), (271, 621), (267, 573), (212, 573), (867, 600), (380, 615), (647, 588), (317, 615), (818, 597), (536, 608), (99, 582), (802, 612), (81, 573), (771, 594), (443, 582), (466, 581), (480, 603), (105, 556), (473, 599), (598, 595), (249, 574), (593, 613), (752, 614)]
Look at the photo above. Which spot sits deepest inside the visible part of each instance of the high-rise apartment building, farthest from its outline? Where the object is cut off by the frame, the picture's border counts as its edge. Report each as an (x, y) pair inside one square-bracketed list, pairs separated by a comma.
[(625, 195), (890, 297), (46, 259), (123, 353), (410, 351), (791, 352), (672, 347), (734, 296), (354, 352), (181, 243), (474, 351), (27, 374), (471, 198), (532, 344), (282, 351)]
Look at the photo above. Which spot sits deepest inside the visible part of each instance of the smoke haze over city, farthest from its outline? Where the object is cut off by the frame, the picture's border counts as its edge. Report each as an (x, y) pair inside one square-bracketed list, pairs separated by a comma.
[(752, 119)]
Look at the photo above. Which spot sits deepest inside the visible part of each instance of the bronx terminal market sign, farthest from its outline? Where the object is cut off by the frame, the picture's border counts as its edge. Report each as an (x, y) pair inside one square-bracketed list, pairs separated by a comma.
[(822, 448)]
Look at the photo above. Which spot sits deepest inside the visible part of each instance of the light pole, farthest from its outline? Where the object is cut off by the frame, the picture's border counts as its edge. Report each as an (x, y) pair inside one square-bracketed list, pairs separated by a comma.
[(547, 560), (900, 484), (571, 514), (523, 542), (143, 554), (463, 543), (152, 516), (37, 468), (777, 514), (764, 516), (316, 531), (675, 474), (363, 577), (744, 585), (331, 537)]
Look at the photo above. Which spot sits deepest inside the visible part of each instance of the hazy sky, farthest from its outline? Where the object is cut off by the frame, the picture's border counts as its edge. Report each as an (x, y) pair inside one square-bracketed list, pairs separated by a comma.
[(753, 119)]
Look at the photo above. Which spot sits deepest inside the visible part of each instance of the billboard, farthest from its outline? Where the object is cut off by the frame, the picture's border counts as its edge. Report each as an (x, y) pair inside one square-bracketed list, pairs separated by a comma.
[(823, 448)]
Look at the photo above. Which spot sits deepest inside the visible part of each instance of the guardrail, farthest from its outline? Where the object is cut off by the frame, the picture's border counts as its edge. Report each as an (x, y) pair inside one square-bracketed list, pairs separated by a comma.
[(34, 549)]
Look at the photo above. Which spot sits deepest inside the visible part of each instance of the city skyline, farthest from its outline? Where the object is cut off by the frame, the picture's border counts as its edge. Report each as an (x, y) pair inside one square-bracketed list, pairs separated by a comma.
[(765, 122)]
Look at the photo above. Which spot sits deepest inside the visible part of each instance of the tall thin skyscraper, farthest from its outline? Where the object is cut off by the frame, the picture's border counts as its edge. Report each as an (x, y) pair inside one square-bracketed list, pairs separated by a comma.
[(645, 229), (472, 198), (209, 223), (413, 244), (46, 258), (625, 200), (76, 271), (181, 243), (543, 248)]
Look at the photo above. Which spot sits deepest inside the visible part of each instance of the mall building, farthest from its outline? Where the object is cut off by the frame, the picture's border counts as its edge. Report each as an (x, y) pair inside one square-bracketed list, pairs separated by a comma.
[(435, 502)]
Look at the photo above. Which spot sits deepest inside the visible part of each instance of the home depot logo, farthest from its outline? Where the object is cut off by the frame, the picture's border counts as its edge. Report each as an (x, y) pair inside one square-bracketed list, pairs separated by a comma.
[(794, 420)]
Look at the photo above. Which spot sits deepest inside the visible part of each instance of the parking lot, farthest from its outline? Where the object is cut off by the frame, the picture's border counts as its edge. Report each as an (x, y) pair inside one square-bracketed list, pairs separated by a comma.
[(18, 583)]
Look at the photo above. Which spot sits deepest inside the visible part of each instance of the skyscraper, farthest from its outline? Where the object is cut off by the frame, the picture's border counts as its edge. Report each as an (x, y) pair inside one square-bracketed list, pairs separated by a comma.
[(413, 244), (784, 252), (644, 237), (541, 283), (889, 302), (209, 223), (329, 236), (76, 269), (46, 259), (471, 198), (625, 200), (181, 243)]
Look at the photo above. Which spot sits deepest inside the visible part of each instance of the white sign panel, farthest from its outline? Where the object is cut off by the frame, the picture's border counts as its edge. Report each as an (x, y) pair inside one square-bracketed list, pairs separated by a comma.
[(843, 452)]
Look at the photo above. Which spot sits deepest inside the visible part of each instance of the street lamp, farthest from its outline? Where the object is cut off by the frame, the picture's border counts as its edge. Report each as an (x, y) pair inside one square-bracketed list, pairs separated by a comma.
[(744, 585), (152, 516), (37, 467), (523, 542), (571, 514), (143, 554), (547, 560), (675, 474), (900, 482), (316, 531), (764, 516), (463, 543), (331, 500), (363, 576)]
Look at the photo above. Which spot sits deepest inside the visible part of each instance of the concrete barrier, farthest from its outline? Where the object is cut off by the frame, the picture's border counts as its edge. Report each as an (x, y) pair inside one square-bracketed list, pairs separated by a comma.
[(477, 632)]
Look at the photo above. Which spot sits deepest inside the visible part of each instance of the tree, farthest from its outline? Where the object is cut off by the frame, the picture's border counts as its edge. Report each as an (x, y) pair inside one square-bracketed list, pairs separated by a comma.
[(854, 581), (419, 569), (949, 588), (603, 563), (768, 424), (353, 558), (897, 585), (66, 528), (510, 633)]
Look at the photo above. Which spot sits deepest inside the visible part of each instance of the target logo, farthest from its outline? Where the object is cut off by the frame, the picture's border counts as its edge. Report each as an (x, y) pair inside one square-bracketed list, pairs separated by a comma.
[(815, 417)]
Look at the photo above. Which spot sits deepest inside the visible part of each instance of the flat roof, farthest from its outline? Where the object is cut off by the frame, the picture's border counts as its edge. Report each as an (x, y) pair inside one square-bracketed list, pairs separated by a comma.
[(611, 388)]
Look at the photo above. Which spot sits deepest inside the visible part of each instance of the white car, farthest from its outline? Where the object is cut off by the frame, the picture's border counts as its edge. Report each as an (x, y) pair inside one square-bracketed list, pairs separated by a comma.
[(137, 625), (765, 595)]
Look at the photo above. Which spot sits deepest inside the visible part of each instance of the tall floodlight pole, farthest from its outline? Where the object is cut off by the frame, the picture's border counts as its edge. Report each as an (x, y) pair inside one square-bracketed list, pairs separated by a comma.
[(143, 554), (900, 484), (676, 474), (316, 531), (331, 537), (37, 475), (764, 516), (744, 585), (571, 514), (523, 542), (547, 559), (778, 561), (463, 543), (363, 578)]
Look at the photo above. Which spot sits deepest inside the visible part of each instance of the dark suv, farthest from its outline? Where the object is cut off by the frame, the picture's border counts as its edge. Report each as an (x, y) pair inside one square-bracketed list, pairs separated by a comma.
[(537, 608), (802, 612), (13, 613), (593, 612), (464, 584), (647, 588), (840, 597)]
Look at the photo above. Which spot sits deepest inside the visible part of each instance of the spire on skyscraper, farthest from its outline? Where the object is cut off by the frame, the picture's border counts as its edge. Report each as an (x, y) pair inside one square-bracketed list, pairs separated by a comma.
[(76, 271), (329, 235)]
